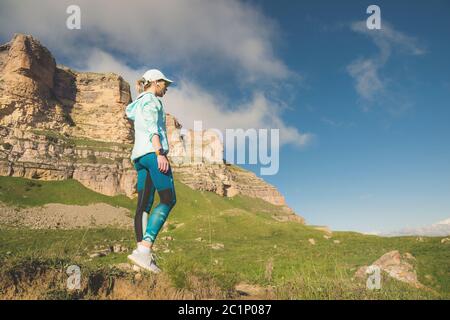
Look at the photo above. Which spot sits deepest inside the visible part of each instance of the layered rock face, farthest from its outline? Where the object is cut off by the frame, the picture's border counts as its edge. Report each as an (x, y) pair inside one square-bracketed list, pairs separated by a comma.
[(57, 123), (103, 167), (35, 93)]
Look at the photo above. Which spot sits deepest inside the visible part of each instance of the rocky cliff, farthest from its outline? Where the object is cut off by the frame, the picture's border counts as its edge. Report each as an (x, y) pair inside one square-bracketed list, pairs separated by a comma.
[(57, 123)]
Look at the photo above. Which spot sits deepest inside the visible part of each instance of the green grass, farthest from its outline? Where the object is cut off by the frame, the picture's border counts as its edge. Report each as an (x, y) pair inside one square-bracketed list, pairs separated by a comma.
[(81, 142), (252, 240), (28, 193)]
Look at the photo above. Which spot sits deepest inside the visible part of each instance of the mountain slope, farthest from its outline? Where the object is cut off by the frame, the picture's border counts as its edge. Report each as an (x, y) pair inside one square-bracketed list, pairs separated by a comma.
[(228, 241)]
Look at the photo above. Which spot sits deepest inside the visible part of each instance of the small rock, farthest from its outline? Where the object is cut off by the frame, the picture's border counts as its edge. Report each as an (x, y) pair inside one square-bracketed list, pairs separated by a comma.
[(117, 248), (138, 277), (8, 253), (99, 253), (217, 246), (136, 268), (327, 237), (199, 239), (409, 256), (312, 241), (168, 238), (445, 240), (336, 241), (251, 290), (419, 239)]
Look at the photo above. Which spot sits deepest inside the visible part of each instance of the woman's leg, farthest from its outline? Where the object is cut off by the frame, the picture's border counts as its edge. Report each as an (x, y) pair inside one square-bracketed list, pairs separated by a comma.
[(146, 191), (163, 182)]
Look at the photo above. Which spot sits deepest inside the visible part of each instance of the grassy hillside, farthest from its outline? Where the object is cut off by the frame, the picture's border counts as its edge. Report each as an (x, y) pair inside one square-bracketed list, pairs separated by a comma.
[(241, 243)]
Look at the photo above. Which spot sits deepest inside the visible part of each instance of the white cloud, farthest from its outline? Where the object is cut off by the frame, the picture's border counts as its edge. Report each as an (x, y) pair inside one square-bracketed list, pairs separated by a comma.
[(369, 84), (190, 36), (388, 39), (365, 73), (188, 102), (439, 229), (100, 61), (226, 33)]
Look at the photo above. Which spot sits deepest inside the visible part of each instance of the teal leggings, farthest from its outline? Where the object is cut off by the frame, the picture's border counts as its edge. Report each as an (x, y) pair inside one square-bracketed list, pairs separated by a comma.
[(149, 180)]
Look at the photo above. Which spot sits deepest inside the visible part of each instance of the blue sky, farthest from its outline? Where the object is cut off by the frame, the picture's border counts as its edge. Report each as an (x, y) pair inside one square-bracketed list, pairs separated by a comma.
[(380, 169), (363, 114)]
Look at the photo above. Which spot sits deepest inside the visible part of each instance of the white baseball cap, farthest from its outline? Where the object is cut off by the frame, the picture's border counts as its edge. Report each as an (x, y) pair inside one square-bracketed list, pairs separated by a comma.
[(155, 75)]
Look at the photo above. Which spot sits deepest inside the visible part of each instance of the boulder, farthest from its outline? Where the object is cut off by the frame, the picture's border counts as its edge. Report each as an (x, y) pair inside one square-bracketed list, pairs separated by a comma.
[(397, 266)]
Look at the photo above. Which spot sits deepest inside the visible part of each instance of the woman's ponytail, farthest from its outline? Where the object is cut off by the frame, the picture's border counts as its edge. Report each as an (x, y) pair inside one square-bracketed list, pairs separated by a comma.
[(140, 85)]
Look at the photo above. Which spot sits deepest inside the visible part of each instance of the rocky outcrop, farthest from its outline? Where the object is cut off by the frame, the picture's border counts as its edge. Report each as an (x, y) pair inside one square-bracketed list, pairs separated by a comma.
[(227, 180), (104, 167), (35, 93), (397, 266), (193, 147), (57, 123)]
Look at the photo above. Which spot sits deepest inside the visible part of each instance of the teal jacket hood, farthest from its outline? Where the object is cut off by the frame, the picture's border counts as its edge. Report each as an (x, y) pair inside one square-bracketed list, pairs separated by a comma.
[(131, 108)]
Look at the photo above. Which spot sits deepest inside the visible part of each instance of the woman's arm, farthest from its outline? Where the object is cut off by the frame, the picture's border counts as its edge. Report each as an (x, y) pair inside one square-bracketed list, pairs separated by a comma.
[(163, 163)]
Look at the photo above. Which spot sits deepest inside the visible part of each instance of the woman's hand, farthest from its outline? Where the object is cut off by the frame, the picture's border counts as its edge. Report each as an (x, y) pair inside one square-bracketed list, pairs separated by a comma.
[(163, 163)]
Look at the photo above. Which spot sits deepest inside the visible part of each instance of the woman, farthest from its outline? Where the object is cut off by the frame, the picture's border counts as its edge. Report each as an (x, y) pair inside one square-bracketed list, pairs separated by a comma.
[(149, 157)]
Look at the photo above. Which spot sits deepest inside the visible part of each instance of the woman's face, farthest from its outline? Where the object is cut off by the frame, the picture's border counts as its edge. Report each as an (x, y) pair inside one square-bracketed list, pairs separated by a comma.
[(161, 88)]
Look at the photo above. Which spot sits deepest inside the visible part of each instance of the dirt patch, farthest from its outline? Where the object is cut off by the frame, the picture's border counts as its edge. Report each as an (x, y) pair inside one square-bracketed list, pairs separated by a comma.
[(254, 292), (62, 216), (40, 282)]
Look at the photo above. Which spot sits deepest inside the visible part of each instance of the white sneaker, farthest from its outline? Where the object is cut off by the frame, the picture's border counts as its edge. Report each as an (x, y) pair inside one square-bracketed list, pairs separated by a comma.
[(140, 259), (153, 267), (145, 261)]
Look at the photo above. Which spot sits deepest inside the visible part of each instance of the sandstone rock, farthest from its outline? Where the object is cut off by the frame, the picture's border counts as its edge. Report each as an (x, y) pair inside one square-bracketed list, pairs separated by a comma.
[(217, 246), (312, 241), (35, 93), (396, 266), (445, 240), (249, 289), (336, 241), (324, 229), (118, 248)]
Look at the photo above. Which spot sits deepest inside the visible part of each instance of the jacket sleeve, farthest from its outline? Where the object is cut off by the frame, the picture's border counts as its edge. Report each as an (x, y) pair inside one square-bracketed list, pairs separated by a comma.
[(150, 115)]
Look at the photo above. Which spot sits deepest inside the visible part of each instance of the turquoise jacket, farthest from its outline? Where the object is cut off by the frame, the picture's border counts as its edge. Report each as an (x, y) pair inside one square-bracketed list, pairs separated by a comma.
[(149, 118)]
